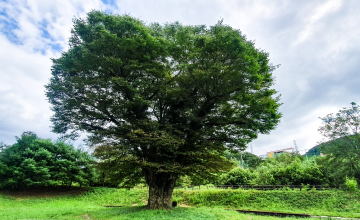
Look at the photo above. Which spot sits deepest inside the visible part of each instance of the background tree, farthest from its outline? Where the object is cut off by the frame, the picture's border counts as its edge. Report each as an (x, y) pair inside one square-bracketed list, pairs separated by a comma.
[(73, 165), (290, 169), (161, 101), (284, 169), (249, 160), (342, 143), (33, 162), (2, 146), (237, 176)]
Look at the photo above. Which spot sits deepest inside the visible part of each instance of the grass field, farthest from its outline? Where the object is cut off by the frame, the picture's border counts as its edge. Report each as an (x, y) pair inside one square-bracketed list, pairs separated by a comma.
[(205, 204)]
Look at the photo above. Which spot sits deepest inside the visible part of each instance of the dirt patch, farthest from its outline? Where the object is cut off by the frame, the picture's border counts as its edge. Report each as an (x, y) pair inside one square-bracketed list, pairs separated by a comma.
[(85, 217), (135, 204), (143, 199), (183, 205)]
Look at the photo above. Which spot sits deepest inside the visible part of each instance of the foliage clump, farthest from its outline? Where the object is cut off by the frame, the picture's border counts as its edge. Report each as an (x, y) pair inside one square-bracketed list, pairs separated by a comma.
[(290, 169), (284, 169), (351, 184), (33, 162), (237, 176)]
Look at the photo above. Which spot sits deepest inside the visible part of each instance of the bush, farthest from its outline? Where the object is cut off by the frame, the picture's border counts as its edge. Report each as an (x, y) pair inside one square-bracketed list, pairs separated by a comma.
[(288, 169), (40, 162), (237, 176), (336, 169), (351, 184)]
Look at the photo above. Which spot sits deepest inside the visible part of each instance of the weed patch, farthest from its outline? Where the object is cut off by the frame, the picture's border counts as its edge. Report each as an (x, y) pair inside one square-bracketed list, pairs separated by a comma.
[(330, 203)]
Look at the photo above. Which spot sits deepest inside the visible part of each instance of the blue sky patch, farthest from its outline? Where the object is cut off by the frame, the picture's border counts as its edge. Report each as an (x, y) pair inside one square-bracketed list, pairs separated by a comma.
[(112, 4), (7, 26)]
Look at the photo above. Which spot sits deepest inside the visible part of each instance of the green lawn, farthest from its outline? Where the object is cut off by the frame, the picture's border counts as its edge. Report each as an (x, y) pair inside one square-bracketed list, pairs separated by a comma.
[(91, 205), (73, 210)]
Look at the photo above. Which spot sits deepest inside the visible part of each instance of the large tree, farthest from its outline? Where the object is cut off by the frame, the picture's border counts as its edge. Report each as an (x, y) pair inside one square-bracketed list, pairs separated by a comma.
[(161, 101), (342, 143)]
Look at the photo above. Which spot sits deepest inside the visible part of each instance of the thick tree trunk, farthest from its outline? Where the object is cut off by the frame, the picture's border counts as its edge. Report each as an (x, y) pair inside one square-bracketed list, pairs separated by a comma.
[(161, 187)]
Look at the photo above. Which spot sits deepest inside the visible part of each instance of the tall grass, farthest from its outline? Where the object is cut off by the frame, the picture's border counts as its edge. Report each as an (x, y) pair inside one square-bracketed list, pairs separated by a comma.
[(327, 202)]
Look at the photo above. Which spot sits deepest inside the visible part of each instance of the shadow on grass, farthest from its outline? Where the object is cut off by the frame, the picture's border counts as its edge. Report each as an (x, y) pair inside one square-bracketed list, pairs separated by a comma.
[(44, 192), (143, 212)]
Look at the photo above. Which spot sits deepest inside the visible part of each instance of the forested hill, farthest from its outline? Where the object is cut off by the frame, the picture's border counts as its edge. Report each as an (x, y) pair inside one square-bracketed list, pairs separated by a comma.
[(315, 151)]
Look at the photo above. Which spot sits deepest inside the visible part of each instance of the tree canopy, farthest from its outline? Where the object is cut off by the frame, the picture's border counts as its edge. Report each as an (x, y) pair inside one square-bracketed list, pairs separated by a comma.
[(161, 101), (246, 159), (33, 162), (342, 143)]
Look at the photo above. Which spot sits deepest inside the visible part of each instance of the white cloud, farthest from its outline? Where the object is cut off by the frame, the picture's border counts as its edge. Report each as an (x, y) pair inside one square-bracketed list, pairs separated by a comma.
[(25, 65), (320, 12)]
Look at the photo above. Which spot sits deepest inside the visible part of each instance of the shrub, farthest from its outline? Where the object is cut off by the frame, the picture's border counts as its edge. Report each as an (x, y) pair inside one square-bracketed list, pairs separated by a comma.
[(237, 176), (288, 169), (351, 184)]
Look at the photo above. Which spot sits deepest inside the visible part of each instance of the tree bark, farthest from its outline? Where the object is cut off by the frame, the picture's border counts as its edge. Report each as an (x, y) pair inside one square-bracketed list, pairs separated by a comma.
[(161, 187), (70, 184)]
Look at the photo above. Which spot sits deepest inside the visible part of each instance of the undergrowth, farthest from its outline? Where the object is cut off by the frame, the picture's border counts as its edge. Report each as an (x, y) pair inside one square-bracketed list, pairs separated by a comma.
[(327, 202)]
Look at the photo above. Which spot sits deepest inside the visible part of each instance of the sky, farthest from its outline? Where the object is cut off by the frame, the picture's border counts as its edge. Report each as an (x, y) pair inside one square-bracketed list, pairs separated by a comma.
[(316, 43)]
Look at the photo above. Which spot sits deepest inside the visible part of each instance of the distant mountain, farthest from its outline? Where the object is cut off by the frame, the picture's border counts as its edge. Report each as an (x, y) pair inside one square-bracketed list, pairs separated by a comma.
[(315, 151)]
